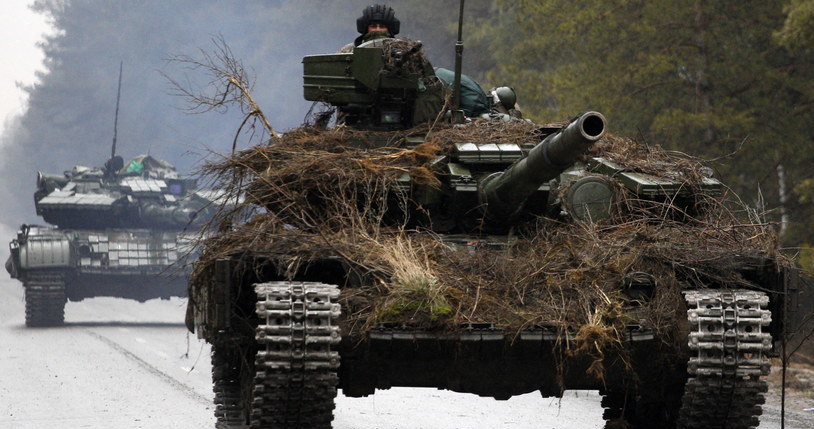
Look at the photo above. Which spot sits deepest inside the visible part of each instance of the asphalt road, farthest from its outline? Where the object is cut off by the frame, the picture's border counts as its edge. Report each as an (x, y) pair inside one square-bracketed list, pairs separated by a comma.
[(120, 364)]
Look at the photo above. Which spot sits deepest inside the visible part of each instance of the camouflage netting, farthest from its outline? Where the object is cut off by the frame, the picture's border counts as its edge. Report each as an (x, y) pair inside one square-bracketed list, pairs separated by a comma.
[(318, 194)]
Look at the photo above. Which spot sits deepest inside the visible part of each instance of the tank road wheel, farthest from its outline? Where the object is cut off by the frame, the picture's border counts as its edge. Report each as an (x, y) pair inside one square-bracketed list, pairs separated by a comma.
[(296, 378), (728, 357), (228, 374), (44, 299)]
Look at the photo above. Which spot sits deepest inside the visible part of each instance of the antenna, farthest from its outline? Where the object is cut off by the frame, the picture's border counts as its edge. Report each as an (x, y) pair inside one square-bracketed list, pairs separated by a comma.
[(459, 55), (116, 119)]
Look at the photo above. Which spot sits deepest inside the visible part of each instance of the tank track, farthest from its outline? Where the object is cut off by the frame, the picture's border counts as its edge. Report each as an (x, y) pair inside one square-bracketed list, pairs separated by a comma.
[(296, 370), (44, 299), (728, 350), (727, 358), (226, 380)]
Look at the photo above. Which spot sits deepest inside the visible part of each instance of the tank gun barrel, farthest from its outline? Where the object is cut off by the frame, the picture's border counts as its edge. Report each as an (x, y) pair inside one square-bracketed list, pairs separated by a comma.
[(48, 182), (502, 194), (158, 215)]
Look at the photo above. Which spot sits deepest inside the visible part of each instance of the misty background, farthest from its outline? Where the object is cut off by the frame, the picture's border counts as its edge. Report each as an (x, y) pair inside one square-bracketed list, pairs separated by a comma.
[(70, 115)]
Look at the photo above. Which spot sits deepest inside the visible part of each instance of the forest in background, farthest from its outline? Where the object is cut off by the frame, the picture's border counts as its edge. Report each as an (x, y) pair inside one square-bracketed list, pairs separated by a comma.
[(729, 82)]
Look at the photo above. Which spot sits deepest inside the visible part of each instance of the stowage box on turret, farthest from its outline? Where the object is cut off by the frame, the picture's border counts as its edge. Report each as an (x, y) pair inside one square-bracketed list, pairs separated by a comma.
[(113, 231), (490, 257)]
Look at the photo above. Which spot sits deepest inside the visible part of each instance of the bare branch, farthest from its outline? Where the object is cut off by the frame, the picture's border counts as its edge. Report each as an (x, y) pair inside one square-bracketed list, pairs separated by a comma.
[(228, 84)]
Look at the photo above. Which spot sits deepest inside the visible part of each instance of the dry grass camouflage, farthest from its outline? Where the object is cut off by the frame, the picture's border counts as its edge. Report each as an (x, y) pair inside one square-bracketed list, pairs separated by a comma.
[(316, 194)]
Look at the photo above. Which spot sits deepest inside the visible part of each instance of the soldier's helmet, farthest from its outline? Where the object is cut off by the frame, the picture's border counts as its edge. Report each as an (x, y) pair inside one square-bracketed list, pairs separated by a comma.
[(378, 14), (505, 95)]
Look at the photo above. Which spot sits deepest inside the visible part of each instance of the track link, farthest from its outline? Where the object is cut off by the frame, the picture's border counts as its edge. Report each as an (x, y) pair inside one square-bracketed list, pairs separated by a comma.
[(296, 370), (226, 378), (728, 356), (44, 299)]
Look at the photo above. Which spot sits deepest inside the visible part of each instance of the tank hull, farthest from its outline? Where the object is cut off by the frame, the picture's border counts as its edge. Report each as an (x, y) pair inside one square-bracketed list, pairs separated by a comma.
[(658, 379), (483, 361), (58, 265)]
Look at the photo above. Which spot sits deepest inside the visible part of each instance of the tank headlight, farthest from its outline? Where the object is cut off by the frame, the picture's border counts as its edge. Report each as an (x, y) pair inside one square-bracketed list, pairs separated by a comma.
[(391, 117)]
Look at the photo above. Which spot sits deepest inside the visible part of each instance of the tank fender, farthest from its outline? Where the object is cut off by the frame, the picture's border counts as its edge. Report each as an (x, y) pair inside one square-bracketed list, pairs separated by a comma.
[(51, 251), (10, 267)]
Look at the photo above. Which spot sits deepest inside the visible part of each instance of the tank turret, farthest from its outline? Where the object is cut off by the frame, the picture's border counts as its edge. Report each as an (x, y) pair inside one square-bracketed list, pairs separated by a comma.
[(503, 193), (146, 192)]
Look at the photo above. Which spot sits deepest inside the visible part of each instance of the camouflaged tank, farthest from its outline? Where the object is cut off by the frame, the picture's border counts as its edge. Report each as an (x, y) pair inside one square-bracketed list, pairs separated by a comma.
[(113, 231), (558, 264)]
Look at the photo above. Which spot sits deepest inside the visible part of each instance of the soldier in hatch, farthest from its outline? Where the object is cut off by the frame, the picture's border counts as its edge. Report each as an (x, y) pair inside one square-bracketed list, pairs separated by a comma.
[(378, 21), (503, 100)]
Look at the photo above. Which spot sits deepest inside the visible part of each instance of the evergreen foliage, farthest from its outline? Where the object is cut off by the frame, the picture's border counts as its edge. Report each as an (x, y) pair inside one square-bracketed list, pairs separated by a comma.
[(727, 81)]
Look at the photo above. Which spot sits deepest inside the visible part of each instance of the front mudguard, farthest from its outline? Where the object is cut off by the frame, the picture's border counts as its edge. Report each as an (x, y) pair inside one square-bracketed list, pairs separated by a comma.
[(13, 261), (42, 251), (11, 267)]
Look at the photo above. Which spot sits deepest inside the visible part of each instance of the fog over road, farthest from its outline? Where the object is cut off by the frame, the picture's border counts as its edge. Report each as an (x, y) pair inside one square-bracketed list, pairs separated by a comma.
[(120, 364)]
